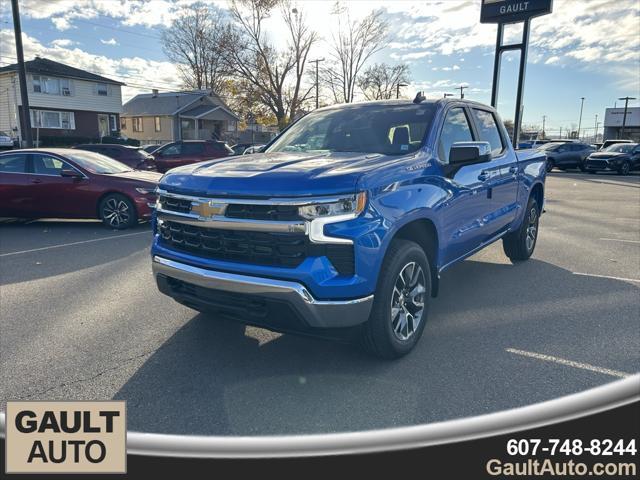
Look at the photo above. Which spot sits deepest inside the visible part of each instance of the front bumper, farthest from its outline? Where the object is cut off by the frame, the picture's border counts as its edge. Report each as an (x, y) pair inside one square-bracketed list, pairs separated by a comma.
[(308, 311)]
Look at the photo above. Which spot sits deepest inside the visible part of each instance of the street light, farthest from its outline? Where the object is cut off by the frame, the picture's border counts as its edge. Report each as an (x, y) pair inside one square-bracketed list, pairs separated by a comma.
[(316, 61), (398, 88), (580, 121), (624, 116)]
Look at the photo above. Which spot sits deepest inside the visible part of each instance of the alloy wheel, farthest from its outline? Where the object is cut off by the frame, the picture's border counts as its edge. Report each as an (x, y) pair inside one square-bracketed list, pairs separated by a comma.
[(116, 212), (532, 229), (407, 301)]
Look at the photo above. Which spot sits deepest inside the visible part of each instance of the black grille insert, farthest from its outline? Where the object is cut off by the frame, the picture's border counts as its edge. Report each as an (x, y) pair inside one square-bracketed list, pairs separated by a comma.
[(173, 204), (263, 212), (274, 249)]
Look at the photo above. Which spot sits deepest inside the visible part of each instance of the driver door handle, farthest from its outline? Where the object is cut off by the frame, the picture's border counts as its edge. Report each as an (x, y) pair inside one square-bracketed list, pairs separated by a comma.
[(36, 180), (484, 176), (513, 169)]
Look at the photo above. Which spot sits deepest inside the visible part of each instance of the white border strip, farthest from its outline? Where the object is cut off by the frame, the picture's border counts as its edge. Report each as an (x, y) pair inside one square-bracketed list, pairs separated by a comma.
[(573, 406)]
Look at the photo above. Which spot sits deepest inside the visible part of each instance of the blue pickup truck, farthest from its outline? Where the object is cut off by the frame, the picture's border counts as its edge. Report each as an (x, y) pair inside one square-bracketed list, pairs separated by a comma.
[(347, 219)]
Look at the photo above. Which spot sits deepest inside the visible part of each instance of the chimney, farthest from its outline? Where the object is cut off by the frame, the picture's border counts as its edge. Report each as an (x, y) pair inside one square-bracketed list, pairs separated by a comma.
[(154, 92)]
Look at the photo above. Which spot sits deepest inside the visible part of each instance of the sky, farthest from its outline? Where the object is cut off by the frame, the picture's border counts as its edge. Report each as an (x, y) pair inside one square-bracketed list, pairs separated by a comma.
[(585, 48)]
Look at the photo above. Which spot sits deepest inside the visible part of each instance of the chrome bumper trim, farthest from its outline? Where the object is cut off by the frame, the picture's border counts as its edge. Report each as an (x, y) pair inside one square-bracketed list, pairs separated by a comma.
[(219, 221), (317, 313)]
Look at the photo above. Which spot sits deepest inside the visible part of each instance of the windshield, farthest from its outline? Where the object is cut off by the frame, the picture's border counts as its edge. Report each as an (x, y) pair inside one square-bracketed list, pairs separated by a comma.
[(620, 148), (378, 128), (97, 163)]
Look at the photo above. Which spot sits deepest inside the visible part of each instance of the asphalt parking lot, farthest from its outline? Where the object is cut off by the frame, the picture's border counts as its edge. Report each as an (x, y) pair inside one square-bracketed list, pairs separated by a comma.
[(82, 319)]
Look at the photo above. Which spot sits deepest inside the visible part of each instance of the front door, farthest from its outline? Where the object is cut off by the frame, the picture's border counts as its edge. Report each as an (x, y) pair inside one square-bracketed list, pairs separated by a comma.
[(103, 125), (464, 212)]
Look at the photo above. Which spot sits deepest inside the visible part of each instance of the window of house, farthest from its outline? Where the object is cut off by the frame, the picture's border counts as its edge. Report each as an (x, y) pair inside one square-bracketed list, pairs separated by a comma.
[(51, 85), (156, 123), (53, 119), (113, 123), (137, 124), (455, 129), (488, 130), (103, 89), (123, 123)]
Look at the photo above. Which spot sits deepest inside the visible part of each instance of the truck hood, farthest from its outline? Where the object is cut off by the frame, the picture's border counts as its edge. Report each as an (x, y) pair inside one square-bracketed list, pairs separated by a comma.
[(278, 174)]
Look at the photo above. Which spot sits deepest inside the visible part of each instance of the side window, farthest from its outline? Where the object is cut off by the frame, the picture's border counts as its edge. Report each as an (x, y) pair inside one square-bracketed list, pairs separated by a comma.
[(488, 130), (455, 129), (13, 163), (172, 149), (192, 148), (47, 165)]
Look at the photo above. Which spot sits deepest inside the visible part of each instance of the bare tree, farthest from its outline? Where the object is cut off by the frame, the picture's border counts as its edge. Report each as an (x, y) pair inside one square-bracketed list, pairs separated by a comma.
[(352, 45), (275, 78), (380, 81), (195, 41)]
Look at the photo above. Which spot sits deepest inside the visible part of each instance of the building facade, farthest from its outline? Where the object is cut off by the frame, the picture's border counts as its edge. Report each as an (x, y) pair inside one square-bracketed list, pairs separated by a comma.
[(67, 105), (613, 124), (170, 116)]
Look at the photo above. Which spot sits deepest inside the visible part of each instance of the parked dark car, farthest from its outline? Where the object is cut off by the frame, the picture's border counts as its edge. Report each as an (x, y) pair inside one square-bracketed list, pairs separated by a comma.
[(619, 157), (150, 148), (176, 154), (564, 155), (73, 183), (134, 157), (608, 143), (239, 148)]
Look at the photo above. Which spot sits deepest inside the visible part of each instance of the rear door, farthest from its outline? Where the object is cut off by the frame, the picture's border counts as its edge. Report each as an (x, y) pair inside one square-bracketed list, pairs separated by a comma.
[(169, 156), (16, 192), (503, 170), (193, 152)]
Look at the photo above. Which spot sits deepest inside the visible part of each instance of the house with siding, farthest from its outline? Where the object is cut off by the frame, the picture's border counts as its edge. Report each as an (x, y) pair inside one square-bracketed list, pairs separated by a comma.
[(64, 101), (170, 116)]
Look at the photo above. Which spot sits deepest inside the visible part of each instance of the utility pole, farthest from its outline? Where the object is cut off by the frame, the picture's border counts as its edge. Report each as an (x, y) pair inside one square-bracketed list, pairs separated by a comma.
[(560, 132), (595, 132), (398, 89), (461, 88), (448, 95), (580, 120), (544, 120), (316, 61), (25, 120), (624, 116)]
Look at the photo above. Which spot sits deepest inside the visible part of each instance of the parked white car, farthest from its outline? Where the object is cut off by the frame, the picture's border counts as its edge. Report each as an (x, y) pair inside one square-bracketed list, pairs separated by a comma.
[(5, 140)]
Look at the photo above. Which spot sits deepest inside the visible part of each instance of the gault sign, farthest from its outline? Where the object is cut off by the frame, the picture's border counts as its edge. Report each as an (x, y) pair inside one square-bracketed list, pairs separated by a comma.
[(510, 11)]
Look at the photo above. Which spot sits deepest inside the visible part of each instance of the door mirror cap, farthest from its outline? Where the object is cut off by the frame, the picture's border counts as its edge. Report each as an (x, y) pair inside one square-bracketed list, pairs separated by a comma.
[(70, 172), (469, 153)]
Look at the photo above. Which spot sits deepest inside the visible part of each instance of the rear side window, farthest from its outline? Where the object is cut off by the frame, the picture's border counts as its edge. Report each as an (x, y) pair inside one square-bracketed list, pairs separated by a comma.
[(455, 129), (172, 150), (13, 163), (192, 148), (488, 130)]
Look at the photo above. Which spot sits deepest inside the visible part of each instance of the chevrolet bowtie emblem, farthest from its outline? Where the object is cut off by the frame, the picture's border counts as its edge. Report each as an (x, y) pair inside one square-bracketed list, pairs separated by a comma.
[(208, 209)]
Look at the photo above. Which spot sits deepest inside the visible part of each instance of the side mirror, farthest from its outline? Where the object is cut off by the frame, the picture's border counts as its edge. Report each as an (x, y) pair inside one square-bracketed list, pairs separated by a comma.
[(469, 153), (70, 172)]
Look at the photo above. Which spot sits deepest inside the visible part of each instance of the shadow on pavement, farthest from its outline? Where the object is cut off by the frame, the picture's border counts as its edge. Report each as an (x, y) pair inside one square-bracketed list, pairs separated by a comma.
[(80, 249), (215, 377)]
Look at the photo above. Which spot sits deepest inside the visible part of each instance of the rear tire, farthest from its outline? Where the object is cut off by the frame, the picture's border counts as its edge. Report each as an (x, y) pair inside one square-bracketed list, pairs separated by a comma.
[(519, 245), (401, 302), (117, 211)]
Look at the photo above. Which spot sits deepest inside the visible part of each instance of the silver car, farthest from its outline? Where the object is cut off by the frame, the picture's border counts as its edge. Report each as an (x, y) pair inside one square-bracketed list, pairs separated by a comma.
[(5, 140)]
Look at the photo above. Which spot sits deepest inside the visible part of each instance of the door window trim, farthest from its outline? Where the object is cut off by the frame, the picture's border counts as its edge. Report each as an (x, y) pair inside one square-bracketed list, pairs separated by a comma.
[(33, 172), (474, 134), (26, 163), (500, 132)]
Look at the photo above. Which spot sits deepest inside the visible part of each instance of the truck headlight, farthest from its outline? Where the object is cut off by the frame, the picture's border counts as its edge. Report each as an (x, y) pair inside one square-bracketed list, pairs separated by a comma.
[(353, 204), (145, 190)]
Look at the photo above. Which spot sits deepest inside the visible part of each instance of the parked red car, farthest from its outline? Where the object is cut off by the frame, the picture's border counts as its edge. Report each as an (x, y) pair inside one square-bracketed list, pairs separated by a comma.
[(68, 183), (186, 152), (134, 157)]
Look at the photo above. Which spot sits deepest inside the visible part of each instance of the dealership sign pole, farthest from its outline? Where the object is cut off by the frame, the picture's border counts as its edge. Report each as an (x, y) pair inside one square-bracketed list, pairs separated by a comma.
[(504, 12)]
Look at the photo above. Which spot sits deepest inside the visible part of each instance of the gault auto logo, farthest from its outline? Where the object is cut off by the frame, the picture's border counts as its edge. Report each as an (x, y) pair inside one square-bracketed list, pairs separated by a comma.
[(208, 209), (66, 437)]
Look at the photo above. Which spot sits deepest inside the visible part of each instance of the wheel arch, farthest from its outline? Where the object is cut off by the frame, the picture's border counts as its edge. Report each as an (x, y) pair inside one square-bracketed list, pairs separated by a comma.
[(537, 192), (116, 192), (424, 232)]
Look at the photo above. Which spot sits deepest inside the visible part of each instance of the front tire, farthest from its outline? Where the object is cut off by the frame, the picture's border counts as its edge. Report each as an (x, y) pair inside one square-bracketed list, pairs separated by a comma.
[(400, 306), (550, 165), (117, 211), (624, 169), (519, 245)]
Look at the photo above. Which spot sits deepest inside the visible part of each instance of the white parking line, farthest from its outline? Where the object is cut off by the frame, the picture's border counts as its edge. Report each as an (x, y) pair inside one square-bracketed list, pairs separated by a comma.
[(73, 243), (620, 240), (607, 276), (569, 363)]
